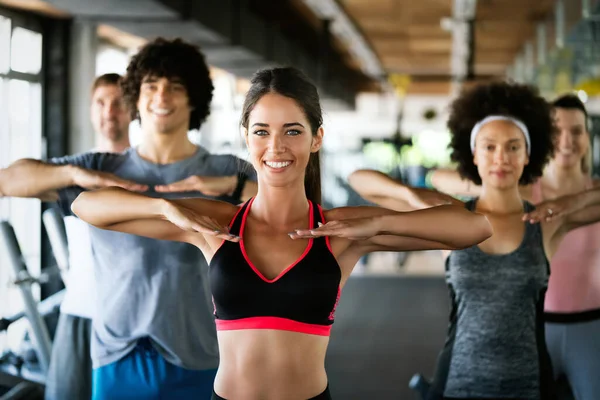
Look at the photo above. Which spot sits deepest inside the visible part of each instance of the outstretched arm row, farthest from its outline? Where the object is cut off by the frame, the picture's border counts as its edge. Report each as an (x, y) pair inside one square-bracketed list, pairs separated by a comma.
[(384, 191), (30, 178), (184, 220), (187, 219), (380, 229), (574, 210)]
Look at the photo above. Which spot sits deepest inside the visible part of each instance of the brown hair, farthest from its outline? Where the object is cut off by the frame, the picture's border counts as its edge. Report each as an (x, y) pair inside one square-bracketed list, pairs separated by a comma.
[(106, 80), (292, 83), (171, 59)]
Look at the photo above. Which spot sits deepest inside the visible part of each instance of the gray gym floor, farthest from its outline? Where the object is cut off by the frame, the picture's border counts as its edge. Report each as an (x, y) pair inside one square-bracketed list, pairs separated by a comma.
[(387, 328)]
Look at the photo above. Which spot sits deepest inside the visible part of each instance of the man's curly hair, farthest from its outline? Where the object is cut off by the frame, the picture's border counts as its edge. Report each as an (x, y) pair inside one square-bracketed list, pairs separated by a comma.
[(519, 101), (170, 59)]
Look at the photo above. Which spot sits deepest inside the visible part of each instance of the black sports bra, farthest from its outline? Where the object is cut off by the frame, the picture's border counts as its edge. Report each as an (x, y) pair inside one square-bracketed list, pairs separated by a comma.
[(303, 298)]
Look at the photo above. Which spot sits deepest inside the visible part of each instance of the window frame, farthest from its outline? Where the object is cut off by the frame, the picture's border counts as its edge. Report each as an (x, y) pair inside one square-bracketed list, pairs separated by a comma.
[(33, 23), (25, 20)]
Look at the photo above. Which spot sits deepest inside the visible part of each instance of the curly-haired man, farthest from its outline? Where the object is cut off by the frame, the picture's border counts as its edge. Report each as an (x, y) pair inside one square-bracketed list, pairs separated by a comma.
[(153, 330)]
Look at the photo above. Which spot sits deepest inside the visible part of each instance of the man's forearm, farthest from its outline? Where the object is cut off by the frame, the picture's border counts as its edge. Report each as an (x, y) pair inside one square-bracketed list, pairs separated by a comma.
[(34, 178)]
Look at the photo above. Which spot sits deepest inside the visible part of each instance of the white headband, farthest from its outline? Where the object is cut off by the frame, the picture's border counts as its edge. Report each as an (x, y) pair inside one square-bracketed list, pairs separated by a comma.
[(491, 118)]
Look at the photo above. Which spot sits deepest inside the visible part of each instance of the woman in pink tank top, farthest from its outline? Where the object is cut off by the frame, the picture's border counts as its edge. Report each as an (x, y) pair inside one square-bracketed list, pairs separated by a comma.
[(574, 285), (572, 306)]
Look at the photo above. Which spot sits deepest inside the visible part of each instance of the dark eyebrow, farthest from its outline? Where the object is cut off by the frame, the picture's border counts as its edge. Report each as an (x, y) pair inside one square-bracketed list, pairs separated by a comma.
[(152, 78), (262, 124), (292, 124)]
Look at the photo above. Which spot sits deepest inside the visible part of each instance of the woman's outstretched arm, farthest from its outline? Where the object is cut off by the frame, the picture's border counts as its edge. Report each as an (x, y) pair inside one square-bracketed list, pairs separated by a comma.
[(570, 211), (185, 220), (376, 229), (384, 191)]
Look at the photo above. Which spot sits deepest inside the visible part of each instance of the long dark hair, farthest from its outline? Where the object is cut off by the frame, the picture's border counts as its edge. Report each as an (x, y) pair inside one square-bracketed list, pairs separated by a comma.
[(292, 83)]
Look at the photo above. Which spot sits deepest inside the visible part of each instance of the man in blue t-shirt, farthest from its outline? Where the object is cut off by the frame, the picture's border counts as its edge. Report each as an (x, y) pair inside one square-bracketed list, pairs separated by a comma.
[(153, 330)]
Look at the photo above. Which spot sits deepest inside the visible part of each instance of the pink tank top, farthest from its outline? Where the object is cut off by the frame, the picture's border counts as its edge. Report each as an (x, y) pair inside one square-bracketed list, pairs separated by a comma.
[(574, 284)]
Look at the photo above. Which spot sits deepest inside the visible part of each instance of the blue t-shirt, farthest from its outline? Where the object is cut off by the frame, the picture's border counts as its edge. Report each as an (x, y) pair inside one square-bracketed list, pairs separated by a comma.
[(148, 287)]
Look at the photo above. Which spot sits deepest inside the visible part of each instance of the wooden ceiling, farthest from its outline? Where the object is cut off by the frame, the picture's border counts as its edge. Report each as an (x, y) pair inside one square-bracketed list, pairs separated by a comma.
[(35, 6), (408, 37)]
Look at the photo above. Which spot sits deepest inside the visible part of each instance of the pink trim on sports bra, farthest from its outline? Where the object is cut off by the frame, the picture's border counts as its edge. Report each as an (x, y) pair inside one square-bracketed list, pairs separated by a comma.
[(276, 323), (230, 225), (251, 264), (324, 222)]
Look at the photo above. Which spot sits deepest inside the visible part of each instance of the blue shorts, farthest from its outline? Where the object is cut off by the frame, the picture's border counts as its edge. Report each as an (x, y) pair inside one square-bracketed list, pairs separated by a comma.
[(145, 374)]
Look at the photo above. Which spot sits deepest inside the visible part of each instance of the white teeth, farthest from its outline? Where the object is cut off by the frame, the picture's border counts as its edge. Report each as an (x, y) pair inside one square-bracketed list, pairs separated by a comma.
[(161, 111), (274, 164)]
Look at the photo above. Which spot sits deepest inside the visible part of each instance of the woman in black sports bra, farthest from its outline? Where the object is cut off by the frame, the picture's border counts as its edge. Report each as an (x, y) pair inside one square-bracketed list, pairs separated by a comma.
[(275, 286)]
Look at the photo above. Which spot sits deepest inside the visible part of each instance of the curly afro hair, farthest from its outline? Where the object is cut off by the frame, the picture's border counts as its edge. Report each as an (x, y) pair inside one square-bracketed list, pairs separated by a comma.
[(501, 98), (169, 59)]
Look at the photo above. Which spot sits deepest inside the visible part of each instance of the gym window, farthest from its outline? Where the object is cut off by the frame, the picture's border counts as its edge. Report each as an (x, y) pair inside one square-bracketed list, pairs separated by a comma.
[(21, 64)]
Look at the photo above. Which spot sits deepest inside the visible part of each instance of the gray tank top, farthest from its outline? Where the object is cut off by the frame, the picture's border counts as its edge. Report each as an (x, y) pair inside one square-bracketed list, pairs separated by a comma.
[(495, 346)]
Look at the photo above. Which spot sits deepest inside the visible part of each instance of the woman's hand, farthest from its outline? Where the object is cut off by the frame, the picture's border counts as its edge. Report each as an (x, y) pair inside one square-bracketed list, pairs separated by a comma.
[(552, 209), (353, 229), (190, 221)]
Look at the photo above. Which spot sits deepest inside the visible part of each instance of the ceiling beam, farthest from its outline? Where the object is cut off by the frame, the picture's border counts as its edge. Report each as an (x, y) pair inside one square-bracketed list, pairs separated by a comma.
[(36, 6), (343, 28), (440, 88), (417, 60), (417, 45), (446, 78)]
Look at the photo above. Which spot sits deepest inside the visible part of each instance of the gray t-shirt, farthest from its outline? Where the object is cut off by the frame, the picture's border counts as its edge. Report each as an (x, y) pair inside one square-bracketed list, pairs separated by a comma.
[(147, 287)]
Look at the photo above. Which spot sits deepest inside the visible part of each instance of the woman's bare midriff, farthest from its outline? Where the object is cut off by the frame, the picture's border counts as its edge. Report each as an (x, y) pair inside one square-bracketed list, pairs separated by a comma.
[(269, 364)]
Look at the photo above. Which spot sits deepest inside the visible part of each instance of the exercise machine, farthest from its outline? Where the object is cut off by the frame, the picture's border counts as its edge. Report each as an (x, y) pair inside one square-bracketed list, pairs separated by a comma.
[(23, 375), (57, 235), (421, 385)]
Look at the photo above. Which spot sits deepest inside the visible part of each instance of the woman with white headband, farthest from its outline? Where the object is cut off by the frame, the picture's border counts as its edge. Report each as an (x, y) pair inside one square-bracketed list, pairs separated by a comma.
[(572, 307), (495, 346)]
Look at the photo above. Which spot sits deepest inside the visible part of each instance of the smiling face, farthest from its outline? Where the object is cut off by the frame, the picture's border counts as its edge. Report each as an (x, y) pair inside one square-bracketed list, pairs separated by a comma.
[(164, 105), (280, 140), (500, 154), (109, 115), (573, 140)]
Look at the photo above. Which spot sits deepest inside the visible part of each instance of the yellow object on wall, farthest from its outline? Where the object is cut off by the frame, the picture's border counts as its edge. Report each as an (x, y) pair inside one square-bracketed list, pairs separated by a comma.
[(590, 86)]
